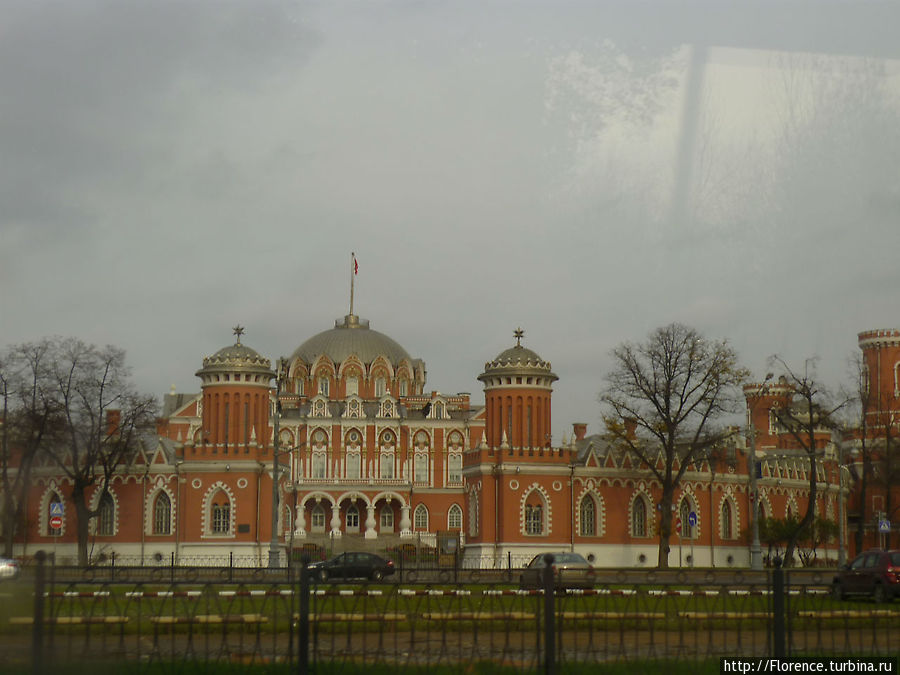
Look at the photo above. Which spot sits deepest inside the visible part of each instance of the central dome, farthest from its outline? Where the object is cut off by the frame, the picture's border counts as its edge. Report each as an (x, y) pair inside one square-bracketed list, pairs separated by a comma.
[(351, 336)]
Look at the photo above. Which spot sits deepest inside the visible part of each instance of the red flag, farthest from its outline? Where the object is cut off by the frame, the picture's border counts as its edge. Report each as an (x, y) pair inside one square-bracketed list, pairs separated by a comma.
[(355, 267)]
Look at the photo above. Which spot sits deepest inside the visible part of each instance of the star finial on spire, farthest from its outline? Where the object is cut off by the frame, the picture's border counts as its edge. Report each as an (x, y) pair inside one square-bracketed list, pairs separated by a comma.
[(238, 331), (518, 333)]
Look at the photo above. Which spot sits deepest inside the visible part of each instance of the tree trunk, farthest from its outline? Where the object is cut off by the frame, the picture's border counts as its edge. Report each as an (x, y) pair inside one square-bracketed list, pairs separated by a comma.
[(665, 528), (83, 519)]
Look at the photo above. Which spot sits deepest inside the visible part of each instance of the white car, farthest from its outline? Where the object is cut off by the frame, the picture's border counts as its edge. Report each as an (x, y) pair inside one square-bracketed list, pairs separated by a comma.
[(9, 569)]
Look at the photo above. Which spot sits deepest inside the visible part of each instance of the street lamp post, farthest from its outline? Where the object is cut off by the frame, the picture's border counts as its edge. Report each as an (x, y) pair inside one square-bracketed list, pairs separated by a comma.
[(274, 551), (755, 546)]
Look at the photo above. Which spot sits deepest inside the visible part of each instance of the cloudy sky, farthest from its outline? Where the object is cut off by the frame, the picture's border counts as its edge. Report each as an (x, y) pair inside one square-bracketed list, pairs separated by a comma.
[(585, 170)]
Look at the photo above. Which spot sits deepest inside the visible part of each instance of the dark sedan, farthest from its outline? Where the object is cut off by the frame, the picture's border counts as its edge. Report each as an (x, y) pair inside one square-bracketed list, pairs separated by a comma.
[(352, 566)]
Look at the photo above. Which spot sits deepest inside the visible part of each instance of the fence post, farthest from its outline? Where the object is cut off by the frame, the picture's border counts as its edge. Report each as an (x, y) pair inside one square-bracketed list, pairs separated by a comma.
[(37, 628), (303, 622), (230, 566), (778, 618), (172, 568), (549, 617)]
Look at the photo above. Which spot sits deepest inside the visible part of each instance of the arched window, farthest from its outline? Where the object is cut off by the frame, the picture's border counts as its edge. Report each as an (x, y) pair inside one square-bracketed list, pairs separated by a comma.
[(352, 469), (55, 531), (352, 519), (162, 514), (404, 387), (454, 468), (639, 518), (534, 518), (588, 517), (473, 514), (221, 514), (420, 520), (386, 466), (323, 385), (387, 519), (380, 387), (106, 518), (727, 522), (684, 513), (454, 518), (317, 519), (421, 467), (318, 465), (352, 385)]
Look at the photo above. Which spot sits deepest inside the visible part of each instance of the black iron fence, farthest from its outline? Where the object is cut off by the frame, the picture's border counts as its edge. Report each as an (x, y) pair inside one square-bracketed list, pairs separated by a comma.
[(279, 619)]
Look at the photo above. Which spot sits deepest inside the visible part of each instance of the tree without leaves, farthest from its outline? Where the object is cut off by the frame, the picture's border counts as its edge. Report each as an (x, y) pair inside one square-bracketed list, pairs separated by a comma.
[(88, 383), (30, 421), (809, 416), (675, 386), (863, 476)]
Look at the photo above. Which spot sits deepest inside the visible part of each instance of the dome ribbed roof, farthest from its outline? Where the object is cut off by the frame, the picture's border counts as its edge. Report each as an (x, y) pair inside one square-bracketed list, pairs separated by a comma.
[(236, 357), (351, 336), (518, 354), (517, 360)]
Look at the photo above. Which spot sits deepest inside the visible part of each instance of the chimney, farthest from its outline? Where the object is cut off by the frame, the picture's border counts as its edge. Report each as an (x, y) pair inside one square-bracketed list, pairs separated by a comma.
[(113, 419), (579, 429), (630, 427)]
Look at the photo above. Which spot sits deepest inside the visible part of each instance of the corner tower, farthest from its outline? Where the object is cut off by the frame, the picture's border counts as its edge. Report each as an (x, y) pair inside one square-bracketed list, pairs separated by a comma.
[(235, 404), (518, 386), (881, 370)]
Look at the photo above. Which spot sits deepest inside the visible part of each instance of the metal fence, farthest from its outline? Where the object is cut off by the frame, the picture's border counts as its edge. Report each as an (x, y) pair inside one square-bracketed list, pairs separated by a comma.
[(278, 619)]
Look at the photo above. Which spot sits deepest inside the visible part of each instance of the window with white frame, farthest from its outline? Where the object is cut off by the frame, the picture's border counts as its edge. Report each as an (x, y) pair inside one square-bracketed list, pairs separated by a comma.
[(404, 387), (380, 386), (352, 469), (454, 468), (220, 512), (318, 465), (454, 518), (474, 519), (639, 517), (317, 519), (421, 467), (352, 385), (386, 519), (684, 512), (298, 386), (534, 518), (420, 518), (162, 513), (323, 385), (727, 520), (588, 513), (386, 466), (106, 518), (352, 518)]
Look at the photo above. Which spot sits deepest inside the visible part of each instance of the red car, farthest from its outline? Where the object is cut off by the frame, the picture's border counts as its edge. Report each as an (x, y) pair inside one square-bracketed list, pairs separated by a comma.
[(873, 573)]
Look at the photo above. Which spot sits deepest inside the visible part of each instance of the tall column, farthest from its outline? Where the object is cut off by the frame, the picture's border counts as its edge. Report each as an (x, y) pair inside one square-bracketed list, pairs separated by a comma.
[(405, 524), (370, 522), (336, 521), (300, 521)]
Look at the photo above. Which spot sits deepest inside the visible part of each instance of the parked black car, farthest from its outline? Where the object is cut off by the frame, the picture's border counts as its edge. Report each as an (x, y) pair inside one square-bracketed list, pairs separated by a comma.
[(352, 565), (873, 573)]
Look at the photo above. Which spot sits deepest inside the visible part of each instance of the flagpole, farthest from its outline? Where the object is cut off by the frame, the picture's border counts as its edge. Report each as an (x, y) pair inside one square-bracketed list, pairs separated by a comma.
[(352, 274)]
